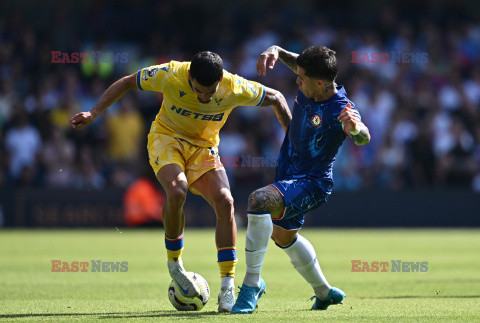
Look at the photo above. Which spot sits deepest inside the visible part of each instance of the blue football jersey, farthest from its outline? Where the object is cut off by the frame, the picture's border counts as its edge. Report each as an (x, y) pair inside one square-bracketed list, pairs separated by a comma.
[(313, 138)]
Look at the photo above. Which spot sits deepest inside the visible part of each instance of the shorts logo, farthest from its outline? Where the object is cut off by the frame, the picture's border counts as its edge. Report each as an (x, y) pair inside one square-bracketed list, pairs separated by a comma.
[(316, 120), (213, 151)]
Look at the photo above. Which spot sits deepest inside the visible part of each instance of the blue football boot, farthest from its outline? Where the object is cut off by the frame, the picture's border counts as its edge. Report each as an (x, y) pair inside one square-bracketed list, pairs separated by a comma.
[(248, 298), (335, 296)]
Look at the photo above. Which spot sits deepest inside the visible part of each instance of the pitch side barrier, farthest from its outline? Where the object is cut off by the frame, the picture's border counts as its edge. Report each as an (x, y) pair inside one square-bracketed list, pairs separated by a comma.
[(22, 207)]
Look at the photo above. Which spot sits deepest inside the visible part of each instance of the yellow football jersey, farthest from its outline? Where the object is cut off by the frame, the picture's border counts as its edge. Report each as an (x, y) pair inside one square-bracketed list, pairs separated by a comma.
[(182, 115)]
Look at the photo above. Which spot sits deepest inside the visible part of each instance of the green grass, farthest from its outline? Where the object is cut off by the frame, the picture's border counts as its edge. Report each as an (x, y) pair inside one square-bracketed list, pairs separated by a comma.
[(450, 290)]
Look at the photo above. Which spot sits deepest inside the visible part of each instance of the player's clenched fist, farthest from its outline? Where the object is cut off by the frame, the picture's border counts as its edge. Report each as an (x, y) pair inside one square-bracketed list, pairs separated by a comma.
[(349, 120), (269, 56), (81, 120)]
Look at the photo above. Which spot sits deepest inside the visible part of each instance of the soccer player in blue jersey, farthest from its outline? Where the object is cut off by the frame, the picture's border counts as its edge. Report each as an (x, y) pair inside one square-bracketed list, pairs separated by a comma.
[(322, 118)]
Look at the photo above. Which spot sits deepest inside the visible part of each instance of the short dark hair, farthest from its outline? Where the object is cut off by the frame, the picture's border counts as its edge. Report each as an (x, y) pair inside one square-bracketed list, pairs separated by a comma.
[(206, 68), (319, 62)]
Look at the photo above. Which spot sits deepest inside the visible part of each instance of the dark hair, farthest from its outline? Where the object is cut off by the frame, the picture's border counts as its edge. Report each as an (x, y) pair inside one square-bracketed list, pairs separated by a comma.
[(206, 68), (319, 62)]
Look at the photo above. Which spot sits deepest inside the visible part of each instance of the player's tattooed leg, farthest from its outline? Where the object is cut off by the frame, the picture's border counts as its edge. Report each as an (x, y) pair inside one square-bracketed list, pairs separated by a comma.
[(267, 199)]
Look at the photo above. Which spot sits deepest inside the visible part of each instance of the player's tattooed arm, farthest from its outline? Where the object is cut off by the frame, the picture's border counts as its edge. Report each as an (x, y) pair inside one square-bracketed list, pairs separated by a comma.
[(288, 58), (111, 95), (267, 199), (276, 99), (271, 55), (353, 127)]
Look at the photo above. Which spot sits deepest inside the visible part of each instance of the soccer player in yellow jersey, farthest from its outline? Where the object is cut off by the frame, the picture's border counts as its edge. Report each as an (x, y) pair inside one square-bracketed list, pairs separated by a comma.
[(198, 96)]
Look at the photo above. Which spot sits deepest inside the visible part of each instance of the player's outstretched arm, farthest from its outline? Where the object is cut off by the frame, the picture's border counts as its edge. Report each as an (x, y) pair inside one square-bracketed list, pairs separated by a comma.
[(271, 55), (111, 95), (354, 128), (276, 99)]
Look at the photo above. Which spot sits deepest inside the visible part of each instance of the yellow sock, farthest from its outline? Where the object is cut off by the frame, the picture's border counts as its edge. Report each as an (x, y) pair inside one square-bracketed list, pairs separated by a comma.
[(227, 259), (227, 268), (174, 247), (174, 255)]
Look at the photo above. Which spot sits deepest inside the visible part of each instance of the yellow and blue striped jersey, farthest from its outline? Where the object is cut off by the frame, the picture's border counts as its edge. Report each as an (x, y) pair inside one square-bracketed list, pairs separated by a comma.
[(182, 115)]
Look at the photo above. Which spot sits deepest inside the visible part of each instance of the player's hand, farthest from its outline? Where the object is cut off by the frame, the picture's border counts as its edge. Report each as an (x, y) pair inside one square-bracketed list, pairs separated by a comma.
[(349, 119), (81, 120), (268, 57)]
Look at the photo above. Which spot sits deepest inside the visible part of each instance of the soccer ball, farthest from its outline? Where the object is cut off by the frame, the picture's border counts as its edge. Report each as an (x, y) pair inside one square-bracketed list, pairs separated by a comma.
[(184, 303)]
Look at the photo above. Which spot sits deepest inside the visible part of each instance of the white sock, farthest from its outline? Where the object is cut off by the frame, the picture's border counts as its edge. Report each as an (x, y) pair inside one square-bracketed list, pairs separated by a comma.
[(259, 231), (228, 282), (303, 258)]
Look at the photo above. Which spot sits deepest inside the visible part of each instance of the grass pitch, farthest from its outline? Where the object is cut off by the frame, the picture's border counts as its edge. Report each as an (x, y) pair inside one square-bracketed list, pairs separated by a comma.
[(449, 290)]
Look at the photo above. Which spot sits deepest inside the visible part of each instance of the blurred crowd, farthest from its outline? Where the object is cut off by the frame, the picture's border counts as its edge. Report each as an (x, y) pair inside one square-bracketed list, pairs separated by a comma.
[(423, 114)]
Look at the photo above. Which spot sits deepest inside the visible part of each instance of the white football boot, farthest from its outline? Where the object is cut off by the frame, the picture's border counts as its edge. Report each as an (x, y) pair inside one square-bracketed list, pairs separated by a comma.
[(188, 286), (226, 299)]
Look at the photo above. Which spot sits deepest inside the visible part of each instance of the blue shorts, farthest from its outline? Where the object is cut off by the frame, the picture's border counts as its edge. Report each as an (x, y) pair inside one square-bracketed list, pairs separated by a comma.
[(300, 196)]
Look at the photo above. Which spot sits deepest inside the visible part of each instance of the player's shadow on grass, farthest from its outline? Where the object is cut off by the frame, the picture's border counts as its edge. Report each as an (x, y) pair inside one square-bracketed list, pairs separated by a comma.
[(159, 314), (120, 315)]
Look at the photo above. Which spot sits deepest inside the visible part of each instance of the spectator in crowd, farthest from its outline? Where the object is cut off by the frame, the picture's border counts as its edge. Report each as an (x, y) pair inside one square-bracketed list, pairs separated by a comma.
[(126, 129), (423, 114), (23, 144)]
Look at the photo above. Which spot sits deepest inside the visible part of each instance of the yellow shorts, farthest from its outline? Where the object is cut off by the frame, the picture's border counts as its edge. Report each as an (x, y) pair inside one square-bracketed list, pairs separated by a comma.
[(195, 161)]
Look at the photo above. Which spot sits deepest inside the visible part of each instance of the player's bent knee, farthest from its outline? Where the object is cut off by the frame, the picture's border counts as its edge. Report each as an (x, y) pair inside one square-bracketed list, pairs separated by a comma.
[(253, 200), (266, 199), (224, 202), (177, 195)]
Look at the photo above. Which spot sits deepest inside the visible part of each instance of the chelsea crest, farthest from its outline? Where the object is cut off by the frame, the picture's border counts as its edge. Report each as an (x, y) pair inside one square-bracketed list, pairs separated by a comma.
[(316, 120)]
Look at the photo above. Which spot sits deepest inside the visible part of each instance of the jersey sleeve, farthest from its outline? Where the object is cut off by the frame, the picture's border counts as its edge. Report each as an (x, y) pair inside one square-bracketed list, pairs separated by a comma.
[(249, 93), (153, 78)]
